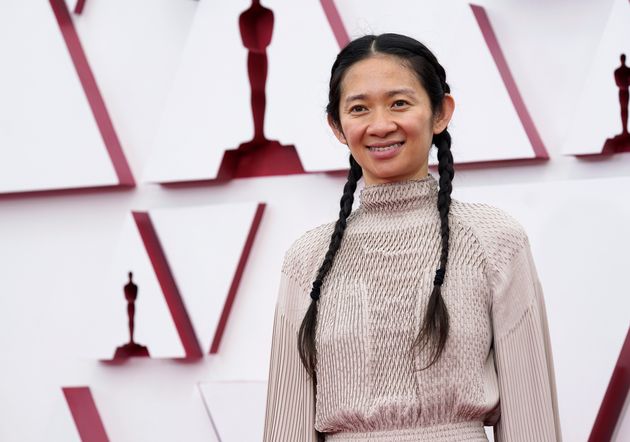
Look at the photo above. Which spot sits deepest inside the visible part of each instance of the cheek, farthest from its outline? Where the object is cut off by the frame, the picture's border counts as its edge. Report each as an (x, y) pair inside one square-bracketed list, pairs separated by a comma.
[(353, 133), (417, 128)]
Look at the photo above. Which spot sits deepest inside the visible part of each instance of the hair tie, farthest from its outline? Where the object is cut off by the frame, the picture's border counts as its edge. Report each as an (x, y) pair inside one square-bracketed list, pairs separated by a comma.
[(439, 276), (317, 284)]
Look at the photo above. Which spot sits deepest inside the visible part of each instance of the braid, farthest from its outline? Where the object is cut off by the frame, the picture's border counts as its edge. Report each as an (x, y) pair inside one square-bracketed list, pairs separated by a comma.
[(306, 336), (435, 326)]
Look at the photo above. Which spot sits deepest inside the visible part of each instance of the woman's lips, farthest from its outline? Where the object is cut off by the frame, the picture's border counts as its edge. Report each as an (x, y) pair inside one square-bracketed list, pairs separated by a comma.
[(383, 151)]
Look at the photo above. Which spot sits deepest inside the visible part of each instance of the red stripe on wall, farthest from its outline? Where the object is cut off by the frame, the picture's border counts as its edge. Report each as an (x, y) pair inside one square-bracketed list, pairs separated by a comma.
[(78, 7), (227, 307), (92, 93), (85, 414), (336, 24), (615, 397), (499, 59), (167, 282)]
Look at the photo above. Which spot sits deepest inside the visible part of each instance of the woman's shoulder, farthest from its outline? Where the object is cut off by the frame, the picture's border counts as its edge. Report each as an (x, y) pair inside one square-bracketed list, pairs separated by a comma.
[(303, 257), (487, 217), (500, 234)]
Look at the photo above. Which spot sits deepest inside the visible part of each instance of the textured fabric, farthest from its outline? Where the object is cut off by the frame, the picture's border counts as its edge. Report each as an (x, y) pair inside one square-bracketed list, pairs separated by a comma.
[(496, 368), (460, 431)]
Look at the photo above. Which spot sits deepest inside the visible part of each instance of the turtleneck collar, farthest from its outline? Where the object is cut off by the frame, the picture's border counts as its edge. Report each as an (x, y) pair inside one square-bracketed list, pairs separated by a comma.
[(400, 195)]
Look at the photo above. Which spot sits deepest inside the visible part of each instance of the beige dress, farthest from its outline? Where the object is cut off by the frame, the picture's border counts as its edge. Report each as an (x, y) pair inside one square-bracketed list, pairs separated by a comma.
[(496, 368)]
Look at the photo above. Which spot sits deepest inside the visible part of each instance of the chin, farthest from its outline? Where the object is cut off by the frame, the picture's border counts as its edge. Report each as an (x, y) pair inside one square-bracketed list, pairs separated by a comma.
[(393, 174)]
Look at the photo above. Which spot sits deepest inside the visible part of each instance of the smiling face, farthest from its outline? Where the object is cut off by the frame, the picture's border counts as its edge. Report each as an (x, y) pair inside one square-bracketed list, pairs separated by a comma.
[(386, 119)]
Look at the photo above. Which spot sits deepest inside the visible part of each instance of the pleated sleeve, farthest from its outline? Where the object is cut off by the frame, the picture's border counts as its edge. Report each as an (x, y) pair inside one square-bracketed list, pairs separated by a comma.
[(290, 411), (524, 363)]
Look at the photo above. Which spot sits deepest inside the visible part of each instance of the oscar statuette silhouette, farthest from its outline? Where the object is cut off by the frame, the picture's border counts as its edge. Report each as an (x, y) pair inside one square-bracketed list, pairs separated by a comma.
[(621, 142), (131, 348), (259, 156)]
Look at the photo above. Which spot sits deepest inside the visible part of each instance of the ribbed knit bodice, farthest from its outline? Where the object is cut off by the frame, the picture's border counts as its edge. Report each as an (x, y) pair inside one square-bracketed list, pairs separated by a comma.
[(371, 382), (371, 309)]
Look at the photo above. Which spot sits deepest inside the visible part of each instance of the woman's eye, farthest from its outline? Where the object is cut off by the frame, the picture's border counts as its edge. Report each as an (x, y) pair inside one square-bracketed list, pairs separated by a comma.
[(357, 108), (400, 103)]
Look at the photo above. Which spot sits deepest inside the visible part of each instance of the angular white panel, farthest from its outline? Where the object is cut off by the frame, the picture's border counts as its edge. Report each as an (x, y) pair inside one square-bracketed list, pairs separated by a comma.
[(59, 423), (48, 135), (301, 53), (203, 246), (208, 110), (585, 292), (597, 115), (135, 48), (485, 125), (154, 326), (231, 404)]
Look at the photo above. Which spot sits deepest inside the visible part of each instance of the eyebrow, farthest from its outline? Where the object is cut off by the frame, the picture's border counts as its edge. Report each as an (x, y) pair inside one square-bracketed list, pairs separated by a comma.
[(403, 91)]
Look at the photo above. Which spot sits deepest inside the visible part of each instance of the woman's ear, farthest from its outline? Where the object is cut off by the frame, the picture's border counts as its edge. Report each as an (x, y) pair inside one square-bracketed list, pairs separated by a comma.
[(337, 131), (442, 120)]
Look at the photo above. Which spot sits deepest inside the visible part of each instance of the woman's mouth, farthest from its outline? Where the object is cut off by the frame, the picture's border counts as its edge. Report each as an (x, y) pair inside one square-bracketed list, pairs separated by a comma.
[(385, 151), (385, 148)]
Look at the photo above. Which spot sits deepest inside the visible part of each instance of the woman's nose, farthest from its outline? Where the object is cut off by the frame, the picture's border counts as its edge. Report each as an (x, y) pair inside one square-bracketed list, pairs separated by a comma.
[(381, 124)]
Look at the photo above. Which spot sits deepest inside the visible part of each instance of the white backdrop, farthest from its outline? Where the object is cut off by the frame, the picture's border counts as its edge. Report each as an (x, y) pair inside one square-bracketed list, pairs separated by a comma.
[(58, 250)]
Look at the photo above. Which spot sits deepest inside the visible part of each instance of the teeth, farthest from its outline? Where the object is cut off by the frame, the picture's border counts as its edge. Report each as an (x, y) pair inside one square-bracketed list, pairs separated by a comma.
[(384, 148)]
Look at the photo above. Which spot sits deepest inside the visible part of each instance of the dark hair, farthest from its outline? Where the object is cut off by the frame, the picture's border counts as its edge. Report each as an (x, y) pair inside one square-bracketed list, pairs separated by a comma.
[(432, 77)]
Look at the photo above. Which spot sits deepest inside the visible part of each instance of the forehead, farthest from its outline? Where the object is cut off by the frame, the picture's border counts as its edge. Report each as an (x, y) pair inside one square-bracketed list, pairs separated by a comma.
[(378, 74)]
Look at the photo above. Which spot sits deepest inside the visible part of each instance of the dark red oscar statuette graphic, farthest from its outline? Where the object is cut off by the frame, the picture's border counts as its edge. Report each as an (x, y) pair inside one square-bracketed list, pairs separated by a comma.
[(621, 141), (259, 156), (131, 348)]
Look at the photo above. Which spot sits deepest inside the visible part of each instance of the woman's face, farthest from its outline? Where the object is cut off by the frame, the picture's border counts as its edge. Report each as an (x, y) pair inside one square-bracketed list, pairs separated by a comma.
[(386, 119)]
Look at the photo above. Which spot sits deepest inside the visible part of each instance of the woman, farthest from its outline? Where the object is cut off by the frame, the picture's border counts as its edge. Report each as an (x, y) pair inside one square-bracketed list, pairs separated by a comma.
[(415, 317)]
